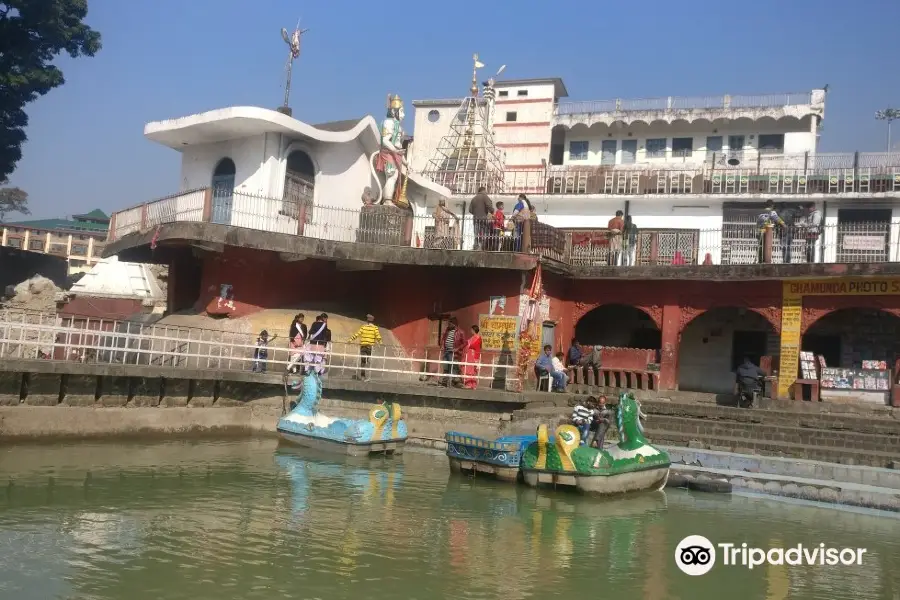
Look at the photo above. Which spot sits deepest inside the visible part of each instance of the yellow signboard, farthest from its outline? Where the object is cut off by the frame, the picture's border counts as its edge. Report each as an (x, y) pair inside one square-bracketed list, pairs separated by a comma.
[(876, 286), (499, 332), (791, 312), (792, 309)]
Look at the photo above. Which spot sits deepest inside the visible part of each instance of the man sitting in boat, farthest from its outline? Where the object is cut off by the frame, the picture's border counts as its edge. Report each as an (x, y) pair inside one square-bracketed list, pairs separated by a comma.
[(581, 418), (601, 418)]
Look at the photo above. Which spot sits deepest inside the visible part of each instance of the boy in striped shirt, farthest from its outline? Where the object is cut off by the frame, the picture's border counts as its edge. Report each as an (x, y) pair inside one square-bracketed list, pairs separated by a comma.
[(582, 416), (368, 336)]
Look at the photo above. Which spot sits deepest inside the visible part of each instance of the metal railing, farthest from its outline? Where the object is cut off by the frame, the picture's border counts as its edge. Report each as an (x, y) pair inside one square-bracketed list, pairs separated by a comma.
[(700, 173), (685, 103), (736, 244), (92, 341)]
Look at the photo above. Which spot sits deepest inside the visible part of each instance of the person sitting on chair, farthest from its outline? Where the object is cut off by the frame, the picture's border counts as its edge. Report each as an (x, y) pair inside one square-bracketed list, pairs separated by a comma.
[(544, 367), (747, 377)]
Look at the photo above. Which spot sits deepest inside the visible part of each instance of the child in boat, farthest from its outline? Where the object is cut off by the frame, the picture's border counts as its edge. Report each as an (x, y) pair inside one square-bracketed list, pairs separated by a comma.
[(600, 422), (581, 418)]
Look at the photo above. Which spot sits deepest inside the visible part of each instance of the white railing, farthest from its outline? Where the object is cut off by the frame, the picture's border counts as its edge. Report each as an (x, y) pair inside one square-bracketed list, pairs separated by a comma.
[(107, 342), (684, 103)]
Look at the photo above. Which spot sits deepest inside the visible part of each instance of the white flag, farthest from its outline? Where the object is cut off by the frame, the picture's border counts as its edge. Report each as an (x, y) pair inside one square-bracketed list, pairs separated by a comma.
[(478, 64)]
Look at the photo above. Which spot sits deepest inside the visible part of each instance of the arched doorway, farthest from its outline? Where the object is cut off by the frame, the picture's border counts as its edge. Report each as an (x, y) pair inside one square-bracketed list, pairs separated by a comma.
[(848, 336), (716, 342), (299, 184), (620, 326), (223, 191)]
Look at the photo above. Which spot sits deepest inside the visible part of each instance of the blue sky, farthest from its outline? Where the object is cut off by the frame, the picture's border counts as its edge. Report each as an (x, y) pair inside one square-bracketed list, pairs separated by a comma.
[(169, 58)]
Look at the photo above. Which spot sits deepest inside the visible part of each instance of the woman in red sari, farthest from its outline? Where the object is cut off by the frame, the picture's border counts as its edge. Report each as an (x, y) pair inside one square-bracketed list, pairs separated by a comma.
[(472, 357)]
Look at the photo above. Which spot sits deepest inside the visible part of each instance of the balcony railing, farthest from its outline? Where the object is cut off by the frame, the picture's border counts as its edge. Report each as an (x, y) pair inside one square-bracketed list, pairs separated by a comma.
[(736, 244), (685, 103), (719, 174)]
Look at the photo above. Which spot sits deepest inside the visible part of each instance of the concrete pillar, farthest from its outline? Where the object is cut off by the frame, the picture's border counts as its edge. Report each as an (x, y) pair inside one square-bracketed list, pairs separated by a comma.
[(203, 393), (145, 391), (4, 238), (79, 390), (668, 359), (114, 391), (10, 388), (42, 389), (175, 392)]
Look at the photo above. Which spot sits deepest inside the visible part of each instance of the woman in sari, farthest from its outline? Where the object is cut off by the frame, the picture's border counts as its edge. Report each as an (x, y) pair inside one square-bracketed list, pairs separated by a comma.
[(522, 212), (445, 223), (472, 358)]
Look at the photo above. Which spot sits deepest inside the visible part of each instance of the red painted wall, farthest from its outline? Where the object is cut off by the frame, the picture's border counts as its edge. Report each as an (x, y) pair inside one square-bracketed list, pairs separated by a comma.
[(102, 308)]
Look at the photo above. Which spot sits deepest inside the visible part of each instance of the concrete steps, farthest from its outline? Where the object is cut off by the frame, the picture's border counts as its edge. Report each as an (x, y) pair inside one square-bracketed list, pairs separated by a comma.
[(851, 435)]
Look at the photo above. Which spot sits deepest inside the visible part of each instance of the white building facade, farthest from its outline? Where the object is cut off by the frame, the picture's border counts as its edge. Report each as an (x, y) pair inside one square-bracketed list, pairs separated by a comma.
[(692, 173)]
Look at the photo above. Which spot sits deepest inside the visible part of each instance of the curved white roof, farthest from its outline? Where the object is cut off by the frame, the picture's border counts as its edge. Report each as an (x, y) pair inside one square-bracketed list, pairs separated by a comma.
[(242, 121)]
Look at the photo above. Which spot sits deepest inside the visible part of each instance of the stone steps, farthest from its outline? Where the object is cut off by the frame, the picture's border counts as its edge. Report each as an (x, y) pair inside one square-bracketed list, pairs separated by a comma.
[(726, 443), (771, 432)]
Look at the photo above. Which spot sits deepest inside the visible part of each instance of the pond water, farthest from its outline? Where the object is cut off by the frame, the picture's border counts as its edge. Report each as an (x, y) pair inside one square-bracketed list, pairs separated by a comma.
[(245, 519)]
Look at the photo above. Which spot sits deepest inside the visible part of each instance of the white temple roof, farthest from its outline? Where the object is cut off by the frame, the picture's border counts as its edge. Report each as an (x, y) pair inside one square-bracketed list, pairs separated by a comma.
[(113, 278)]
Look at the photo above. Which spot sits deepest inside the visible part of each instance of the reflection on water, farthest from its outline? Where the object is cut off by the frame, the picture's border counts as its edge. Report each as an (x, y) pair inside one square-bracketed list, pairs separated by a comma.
[(240, 519)]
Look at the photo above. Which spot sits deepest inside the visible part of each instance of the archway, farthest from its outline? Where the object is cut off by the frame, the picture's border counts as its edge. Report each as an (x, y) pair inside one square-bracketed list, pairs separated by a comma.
[(715, 343), (618, 325), (299, 185), (848, 336), (223, 191)]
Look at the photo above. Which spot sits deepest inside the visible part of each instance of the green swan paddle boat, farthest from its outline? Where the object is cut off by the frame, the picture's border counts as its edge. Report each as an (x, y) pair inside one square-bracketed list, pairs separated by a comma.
[(632, 465)]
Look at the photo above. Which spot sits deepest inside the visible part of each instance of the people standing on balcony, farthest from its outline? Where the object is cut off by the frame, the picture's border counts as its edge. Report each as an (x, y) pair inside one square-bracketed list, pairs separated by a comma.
[(812, 229), (499, 226), (368, 335), (615, 227), (522, 211), (789, 216), (444, 231), (472, 359), (766, 221), (629, 232), (481, 208)]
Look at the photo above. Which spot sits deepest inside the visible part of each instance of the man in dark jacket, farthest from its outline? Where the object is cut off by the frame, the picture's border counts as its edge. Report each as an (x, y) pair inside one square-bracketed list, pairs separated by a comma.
[(747, 376), (481, 209)]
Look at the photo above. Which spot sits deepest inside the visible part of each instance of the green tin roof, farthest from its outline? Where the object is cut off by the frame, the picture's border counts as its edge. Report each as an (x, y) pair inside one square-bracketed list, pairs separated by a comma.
[(85, 222)]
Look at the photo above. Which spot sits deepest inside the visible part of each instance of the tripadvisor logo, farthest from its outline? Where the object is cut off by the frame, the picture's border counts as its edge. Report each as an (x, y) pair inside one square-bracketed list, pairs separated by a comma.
[(696, 555)]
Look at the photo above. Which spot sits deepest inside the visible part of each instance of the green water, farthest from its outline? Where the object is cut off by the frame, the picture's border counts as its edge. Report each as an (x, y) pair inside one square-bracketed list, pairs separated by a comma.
[(244, 520)]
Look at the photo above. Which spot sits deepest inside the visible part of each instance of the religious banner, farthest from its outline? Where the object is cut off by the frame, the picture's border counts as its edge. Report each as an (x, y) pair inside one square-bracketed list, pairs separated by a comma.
[(499, 332), (791, 312), (497, 305)]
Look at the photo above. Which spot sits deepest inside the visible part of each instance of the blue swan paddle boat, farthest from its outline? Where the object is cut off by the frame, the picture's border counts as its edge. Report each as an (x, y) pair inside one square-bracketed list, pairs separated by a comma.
[(383, 433)]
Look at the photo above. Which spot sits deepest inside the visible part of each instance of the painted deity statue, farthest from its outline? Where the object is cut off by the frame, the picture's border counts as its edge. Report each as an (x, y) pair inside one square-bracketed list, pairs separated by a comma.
[(390, 159)]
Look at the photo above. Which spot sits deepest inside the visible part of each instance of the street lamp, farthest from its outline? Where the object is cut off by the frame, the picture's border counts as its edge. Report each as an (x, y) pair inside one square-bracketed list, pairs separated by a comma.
[(888, 114)]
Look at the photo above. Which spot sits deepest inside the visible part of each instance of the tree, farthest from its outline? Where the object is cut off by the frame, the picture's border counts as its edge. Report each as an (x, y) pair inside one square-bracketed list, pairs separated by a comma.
[(32, 34), (13, 200)]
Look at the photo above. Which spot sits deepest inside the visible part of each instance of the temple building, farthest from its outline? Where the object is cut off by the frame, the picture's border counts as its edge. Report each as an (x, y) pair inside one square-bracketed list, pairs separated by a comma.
[(278, 213)]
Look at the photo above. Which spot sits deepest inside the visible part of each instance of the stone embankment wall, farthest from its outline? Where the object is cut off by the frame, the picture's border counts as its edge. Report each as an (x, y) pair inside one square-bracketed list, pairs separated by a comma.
[(58, 399)]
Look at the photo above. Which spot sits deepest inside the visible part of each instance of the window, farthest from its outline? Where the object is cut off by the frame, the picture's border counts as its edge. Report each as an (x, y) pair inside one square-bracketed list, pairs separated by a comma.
[(608, 152), (521, 93), (503, 93), (771, 143), (629, 151), (14, 242), (434, 116), (682, 146), (736, 143), (656, 148), (714, 143), (79, 250), (36, 245), (511, 116), (578, 150)]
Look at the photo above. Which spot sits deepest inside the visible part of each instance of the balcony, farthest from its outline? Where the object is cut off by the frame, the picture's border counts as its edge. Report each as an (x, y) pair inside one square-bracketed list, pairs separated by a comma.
[(671, 108), (756, 173), (569, 250)]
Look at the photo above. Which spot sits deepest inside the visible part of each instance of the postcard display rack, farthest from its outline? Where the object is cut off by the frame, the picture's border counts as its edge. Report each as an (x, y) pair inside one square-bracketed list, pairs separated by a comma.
[(871, 383)]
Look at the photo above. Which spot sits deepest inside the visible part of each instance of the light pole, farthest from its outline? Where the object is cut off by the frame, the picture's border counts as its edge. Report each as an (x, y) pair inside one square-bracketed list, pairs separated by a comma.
[(888, 114)]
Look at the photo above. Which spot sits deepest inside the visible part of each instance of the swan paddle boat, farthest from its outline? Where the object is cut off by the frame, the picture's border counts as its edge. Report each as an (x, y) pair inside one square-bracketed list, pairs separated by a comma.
[(383, 433), (631, 465)]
